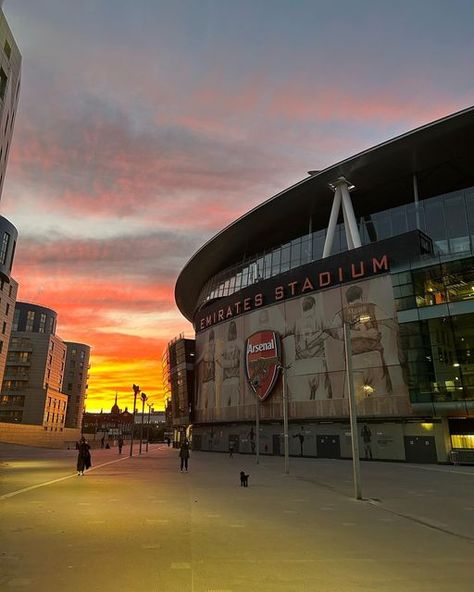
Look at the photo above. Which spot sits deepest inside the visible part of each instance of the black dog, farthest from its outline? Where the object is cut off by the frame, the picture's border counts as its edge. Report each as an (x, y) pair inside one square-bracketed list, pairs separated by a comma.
[(244, 479)]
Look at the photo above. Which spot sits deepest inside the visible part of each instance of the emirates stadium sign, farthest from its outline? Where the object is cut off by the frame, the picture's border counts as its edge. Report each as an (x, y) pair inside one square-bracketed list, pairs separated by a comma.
[(263, 362)]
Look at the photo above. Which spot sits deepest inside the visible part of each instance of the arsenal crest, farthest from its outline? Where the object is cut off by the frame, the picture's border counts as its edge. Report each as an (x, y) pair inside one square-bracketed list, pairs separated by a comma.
[(262, 362)]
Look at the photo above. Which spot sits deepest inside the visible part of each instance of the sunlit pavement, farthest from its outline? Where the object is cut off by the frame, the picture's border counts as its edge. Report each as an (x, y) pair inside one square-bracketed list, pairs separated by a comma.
[(139, 524)]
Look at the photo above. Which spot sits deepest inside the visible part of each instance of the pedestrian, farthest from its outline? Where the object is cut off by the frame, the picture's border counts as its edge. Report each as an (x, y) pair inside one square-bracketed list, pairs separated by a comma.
[(120, 444), (367, 438), (184, 455), (83, 457), (102, 442), (168, 441), (231, 449)]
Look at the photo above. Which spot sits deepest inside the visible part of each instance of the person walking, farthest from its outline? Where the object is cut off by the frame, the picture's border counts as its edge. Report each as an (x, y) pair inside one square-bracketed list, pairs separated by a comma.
[(120, 444), (84, 461), (184, 455), (367, 438), (231, 449)]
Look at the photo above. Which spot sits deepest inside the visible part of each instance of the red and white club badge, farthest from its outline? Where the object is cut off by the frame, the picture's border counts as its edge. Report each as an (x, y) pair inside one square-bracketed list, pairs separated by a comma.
[(263, 362)]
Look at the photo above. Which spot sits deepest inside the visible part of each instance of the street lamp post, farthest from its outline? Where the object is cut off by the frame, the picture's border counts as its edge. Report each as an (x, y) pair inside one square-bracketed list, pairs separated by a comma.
[(255, 384), (144, 398), (257, 431), (285, 422), (136, 390), (285, 418), (352, 411), (150, 408)]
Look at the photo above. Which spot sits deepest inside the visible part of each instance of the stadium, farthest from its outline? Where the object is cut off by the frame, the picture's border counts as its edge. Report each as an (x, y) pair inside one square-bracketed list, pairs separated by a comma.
[(360, 272)]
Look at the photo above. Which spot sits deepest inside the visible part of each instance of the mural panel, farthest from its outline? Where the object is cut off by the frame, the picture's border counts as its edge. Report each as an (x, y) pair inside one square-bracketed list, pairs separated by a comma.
[(312, 334)]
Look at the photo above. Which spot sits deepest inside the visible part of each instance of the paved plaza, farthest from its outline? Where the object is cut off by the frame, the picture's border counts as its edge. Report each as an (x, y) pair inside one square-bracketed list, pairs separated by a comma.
[(139, 524)]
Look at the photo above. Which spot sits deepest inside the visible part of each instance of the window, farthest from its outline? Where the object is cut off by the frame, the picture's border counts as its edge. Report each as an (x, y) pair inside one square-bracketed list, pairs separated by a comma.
[(4, 327), (11, 416), (4, 247), (30, 318), (1, 346), (16, 317), (42, 323), (7, 309), (3, 83)]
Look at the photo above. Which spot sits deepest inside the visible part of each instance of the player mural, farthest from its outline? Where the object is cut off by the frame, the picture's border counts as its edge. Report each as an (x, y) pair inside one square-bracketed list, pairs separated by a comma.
[(312, 348)]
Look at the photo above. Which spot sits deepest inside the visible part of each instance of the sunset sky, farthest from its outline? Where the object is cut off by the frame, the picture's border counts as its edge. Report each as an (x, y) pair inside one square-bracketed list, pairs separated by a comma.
[(146, 126)]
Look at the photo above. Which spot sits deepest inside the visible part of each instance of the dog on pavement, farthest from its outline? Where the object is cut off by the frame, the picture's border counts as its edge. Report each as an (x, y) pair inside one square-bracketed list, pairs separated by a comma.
[(244, 479)]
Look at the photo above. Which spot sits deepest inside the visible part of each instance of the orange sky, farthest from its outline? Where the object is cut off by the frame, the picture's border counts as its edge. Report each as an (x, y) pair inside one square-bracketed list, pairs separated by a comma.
[(145, 127)]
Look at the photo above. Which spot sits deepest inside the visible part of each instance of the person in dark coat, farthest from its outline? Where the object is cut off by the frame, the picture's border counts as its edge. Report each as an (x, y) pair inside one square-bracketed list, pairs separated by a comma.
[(184, 455), (83, 457), (120, 444)]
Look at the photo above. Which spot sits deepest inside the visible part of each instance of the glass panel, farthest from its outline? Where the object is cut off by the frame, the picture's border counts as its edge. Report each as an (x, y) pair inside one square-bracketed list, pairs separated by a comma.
[(318, 244), (306, 250), (382, 224), (456, 223), (267, 272), (285, 258), (295, 253), (399, 221), (276, 259), (435, 223)]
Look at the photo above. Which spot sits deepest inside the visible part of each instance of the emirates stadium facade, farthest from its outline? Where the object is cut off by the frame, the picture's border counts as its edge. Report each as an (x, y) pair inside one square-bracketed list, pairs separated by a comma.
[(373, 255)]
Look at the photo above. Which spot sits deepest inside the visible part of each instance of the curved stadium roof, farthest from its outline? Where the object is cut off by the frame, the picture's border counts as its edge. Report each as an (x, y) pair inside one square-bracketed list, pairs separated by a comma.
[(441, 153)]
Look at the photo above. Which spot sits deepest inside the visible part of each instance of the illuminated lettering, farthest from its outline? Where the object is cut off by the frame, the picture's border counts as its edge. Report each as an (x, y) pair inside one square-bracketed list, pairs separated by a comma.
[(292, 285), (229, 312), (379, 265), (361, 271), (324, 279), (259, 347), (258, 300), (307, 285), (246, 304), (279, 293)]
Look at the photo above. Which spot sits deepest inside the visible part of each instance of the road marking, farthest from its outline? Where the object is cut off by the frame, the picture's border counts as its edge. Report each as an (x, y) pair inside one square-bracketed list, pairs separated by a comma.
[(445, 471), (73, 476), (148, 547), (19, 582)]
